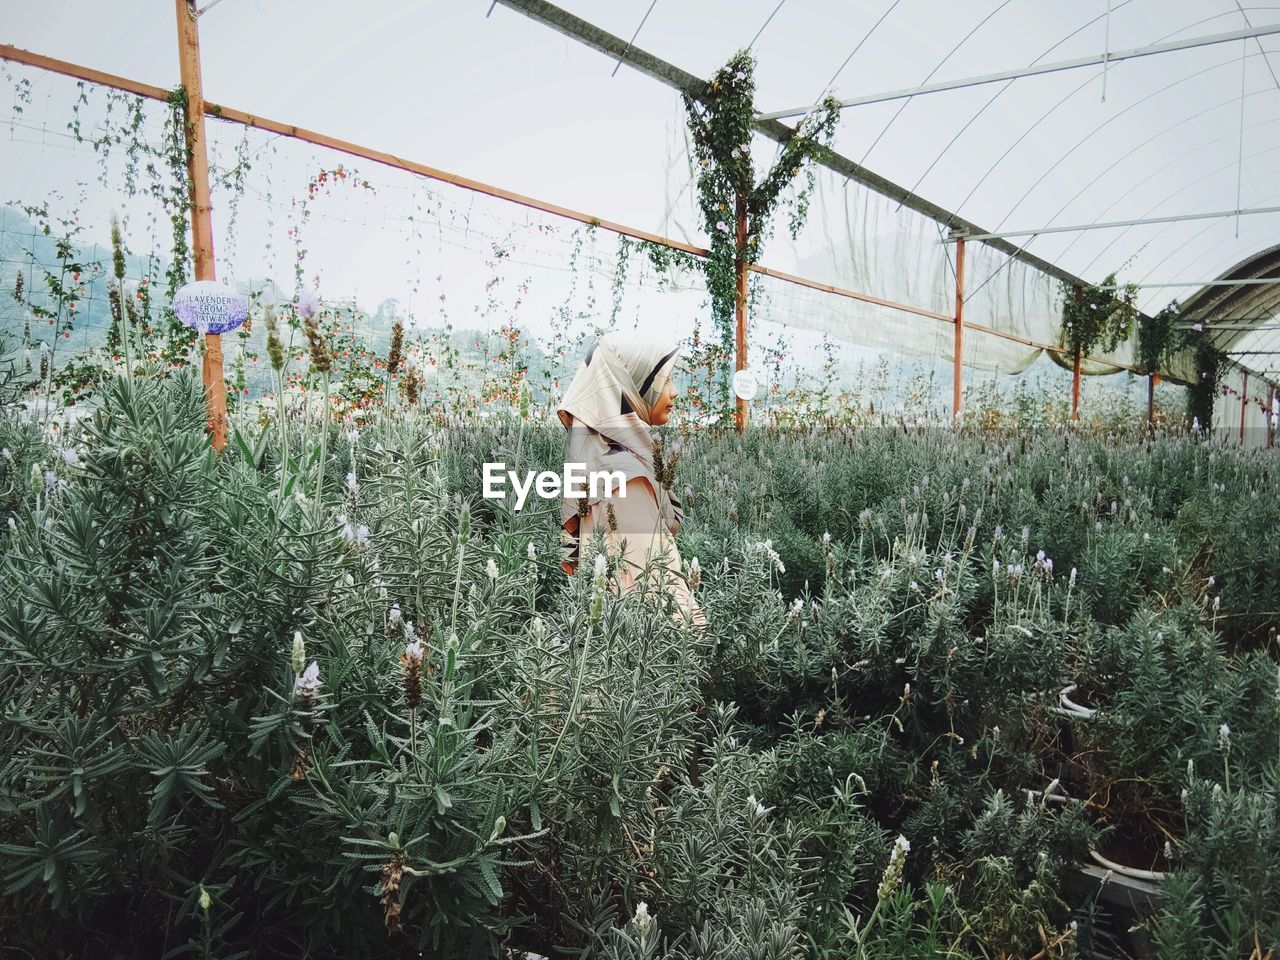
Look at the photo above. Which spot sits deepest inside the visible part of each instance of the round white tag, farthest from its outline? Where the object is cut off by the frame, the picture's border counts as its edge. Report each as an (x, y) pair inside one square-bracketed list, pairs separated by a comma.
[(746, 384)]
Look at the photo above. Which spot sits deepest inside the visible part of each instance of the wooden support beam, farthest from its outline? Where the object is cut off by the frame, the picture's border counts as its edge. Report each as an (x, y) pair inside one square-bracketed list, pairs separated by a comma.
[(1244, 402), (1271, 405), (957, 375), (1075, 387), (201, 220), (1151, 403), (740, 306)]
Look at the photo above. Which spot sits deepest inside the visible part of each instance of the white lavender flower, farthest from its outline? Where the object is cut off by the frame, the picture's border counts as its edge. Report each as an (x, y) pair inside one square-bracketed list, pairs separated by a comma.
[(414, 649), (598, 588), (893, 872), (1224, 738), (491, 569), (531, 551), (352, 484), (643, 920), (308, 683)]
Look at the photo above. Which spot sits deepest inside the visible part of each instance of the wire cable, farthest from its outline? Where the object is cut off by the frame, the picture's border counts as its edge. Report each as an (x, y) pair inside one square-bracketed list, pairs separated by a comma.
[(652, 4), (941, 63), (867, 36), (781, 3)]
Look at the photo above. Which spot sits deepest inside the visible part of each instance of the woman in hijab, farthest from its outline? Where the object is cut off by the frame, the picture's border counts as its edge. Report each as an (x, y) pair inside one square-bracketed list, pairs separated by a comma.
[(622, 390)]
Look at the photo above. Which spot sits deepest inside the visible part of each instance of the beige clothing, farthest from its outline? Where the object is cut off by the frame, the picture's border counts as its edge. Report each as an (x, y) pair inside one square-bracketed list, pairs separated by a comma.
[(641, 528)]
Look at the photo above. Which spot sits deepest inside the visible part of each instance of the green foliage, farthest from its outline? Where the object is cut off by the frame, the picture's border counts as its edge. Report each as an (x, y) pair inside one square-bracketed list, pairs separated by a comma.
[(721, 120), (456, 755), (1210, 361), (1098, 317), (1158, 338)]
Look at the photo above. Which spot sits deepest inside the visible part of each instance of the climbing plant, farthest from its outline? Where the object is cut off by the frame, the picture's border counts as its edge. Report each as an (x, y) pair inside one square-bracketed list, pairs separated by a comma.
[(1158, 338), (1209, 359), (720, 121), (1098, 317)]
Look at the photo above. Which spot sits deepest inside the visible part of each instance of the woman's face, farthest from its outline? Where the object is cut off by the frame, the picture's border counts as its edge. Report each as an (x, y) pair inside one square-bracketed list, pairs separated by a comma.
[(662, 409)]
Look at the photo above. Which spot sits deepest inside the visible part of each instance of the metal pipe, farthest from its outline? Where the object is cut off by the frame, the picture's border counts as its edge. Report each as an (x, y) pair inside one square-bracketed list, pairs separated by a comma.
[(1211, 283), (1111, 224), (1057, 67)]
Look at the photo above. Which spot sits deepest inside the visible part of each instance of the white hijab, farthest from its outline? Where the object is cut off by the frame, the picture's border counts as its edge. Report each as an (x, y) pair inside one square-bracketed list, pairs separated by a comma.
[(607, 411)]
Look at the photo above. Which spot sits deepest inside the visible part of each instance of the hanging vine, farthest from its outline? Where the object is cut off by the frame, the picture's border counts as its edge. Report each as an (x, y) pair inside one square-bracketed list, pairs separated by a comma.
[(1209, 360), (1158, 338), (1098, 317), (720, 121)]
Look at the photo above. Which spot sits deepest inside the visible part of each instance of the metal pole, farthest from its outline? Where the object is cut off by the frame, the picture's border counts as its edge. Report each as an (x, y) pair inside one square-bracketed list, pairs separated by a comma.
[(201, 222), (1114, 224), (740, 307), (957, 379)]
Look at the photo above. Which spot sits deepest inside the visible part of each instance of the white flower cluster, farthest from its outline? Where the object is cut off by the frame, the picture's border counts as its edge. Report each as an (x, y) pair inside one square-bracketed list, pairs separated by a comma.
[(766, 547), (897, 864), (352, 533)]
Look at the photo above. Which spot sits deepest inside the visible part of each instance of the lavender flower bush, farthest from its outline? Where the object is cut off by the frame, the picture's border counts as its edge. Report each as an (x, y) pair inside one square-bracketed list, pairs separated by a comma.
[(349, 709)]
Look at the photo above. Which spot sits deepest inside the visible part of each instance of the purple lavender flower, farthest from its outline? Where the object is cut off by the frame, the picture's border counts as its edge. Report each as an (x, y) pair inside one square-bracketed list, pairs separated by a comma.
[(308, 303)]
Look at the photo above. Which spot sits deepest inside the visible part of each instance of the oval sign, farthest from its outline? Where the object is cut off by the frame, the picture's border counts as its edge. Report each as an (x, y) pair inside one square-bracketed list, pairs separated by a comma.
[(210, 306), (746, 384)]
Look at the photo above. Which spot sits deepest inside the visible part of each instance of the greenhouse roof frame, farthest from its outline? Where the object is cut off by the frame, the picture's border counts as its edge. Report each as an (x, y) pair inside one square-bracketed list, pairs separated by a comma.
[(587, 33), (614, 47), (1102, 59)]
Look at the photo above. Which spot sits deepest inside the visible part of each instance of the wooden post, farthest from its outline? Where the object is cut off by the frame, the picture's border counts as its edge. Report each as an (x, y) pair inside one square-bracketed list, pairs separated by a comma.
[(201, 222), (1075, 387), (1271, 403), (957, 376), (1244, 402), (1075, 369), (740, 306), (1153, 378)]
